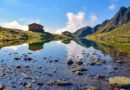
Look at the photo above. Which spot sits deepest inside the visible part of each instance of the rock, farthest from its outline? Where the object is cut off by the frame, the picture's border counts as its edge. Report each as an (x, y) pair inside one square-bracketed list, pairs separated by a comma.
[(44, 58), (119, 61), (79, 69), (115, 68), (56, 60), (54, 71), (17, 58), (29, 85), (50, 61), (33, 81), (78, 72), (49, 83), (70, 62), (29, 59), (91, 88), (26, 66), (100, 76), (120, 82), (25, 76), (2, 86), (63, 83), (18, 66), (24, 84), (79, 62), (40, 83), (98, 62)]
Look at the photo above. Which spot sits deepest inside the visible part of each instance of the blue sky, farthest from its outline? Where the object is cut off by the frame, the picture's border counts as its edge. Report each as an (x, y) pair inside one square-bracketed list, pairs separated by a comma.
[(58, 15)]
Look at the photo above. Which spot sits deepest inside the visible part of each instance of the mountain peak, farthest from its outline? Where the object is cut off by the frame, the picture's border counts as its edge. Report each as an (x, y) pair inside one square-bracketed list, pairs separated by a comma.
[(123, 8), (121, 17)]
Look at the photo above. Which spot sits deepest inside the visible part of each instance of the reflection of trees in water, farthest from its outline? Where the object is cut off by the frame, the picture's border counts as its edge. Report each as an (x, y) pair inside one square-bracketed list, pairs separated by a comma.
[(36, 46)]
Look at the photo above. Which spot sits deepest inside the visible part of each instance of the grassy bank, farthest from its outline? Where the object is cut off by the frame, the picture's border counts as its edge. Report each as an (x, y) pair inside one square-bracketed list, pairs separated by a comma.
[(7, 34), (10, 37)]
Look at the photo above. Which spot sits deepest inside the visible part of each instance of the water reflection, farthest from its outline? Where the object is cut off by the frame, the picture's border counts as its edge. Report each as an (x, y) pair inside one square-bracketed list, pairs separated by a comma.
[(36, 46), (48, 60)]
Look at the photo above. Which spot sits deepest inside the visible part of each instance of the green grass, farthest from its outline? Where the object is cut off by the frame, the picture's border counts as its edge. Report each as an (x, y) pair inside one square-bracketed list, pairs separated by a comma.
[(120, 34), (104, 27), (10, 37), (7, 34)]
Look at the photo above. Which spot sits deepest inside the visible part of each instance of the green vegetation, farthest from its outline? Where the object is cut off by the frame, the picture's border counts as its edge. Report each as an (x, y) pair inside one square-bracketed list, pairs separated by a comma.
[(117, 29), (120, 34), (7, 34), (61, 37), (10, 37), (104, 27)]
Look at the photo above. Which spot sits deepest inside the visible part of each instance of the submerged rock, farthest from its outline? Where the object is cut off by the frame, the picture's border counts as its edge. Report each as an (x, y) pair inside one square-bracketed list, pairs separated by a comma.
[(33, 81), (49, 83), (98, 62), (70, 62), (17, 58), (91, 88), (119, 61), (28, 86), (56, 60), (78, 72), (63, 83), (18, 66), (2, 86), (100, 76), (79, 69), (26, 76), (120, 82), (40, 83), (79, 62)]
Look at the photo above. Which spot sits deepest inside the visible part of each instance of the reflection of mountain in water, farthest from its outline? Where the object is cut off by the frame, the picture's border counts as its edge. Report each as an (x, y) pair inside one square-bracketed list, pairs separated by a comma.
[(86, 43), (114, 50), (36, 46)]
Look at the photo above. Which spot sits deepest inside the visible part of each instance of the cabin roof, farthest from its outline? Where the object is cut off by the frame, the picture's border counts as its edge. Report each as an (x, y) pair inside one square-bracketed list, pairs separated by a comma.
[(35, 24)]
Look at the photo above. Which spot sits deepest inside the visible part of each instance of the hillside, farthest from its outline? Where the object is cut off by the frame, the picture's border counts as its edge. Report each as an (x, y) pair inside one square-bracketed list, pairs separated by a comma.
[(120, 34), (86, 31), (83, 32), (8, 34), (121, 18)]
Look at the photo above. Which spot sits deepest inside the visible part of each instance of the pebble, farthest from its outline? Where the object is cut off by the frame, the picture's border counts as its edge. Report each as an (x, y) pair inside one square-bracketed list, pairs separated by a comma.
[(70, 62), (2, 86)]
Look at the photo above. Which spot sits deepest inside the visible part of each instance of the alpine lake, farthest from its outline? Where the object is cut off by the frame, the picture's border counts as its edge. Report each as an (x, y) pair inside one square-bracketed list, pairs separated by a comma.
[(56, 65)]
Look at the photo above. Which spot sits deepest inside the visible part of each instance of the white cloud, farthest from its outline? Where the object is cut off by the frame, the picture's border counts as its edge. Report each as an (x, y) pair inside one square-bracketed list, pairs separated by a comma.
[(15, 25), (112, 6), (21, 23), (77, 21)]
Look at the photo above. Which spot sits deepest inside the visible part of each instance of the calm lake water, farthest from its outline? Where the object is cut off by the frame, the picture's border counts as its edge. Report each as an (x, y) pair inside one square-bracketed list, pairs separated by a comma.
[(48, 62)]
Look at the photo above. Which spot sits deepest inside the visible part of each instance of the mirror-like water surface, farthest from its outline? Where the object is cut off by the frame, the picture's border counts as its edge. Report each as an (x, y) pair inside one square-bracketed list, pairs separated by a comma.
[(48, 62)]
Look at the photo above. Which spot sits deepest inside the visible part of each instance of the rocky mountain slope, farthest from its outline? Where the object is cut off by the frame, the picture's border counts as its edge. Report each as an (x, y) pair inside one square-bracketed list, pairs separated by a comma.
[(121, 18)]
